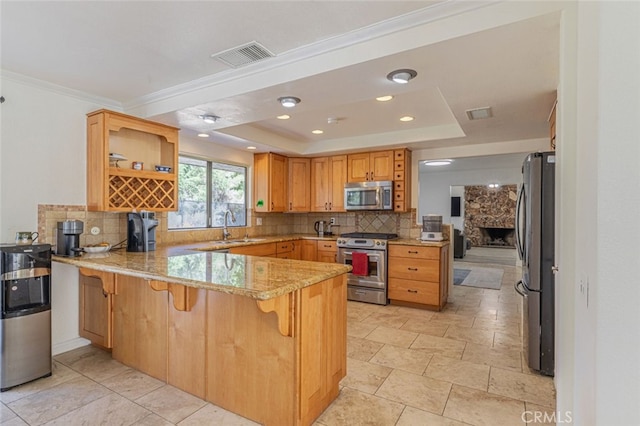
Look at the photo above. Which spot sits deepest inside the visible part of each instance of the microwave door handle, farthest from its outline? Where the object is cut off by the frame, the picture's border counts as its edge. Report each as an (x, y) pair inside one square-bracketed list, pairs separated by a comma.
[(379, 196)]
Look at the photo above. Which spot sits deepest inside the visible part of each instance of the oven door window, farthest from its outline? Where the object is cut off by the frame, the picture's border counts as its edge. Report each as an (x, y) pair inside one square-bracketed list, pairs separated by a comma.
[(374, 270)]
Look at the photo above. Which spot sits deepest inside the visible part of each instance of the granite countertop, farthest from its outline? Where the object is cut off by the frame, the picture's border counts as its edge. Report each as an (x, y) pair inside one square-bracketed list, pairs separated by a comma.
[(417, 242), (259, 278)]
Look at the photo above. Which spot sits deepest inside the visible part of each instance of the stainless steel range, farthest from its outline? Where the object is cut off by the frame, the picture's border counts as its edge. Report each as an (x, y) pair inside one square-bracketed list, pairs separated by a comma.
[(368, 280)]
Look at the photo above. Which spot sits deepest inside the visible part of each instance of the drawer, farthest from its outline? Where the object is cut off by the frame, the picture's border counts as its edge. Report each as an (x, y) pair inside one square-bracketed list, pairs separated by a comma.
[(398, 196), (255, 250), (398, 155), (284, 247), (426, 293), (398, 186), (327, 246), (398, 175), (414, 252), (399, 165), (412, 269), (398, 206)]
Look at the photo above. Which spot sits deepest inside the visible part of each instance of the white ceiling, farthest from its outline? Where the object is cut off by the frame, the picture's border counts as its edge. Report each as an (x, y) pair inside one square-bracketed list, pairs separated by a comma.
[(153, 59)]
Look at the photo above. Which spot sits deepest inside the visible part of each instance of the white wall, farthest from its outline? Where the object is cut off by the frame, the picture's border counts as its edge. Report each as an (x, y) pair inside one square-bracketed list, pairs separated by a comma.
[(434, 187)]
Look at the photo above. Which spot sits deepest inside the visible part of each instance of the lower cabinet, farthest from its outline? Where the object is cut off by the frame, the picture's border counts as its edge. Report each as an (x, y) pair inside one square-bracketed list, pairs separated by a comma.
[(96, 306), (288, 250), (327, 251), (267, 250), (308, 250), (418, 276)]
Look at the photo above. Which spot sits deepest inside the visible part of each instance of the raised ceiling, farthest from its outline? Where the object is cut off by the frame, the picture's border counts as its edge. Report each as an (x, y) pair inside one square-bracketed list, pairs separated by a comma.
[(153, 59)]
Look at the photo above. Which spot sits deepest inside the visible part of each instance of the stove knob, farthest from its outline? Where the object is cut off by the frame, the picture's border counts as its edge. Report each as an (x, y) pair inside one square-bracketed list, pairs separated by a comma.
[(382, 243), (377, 243)]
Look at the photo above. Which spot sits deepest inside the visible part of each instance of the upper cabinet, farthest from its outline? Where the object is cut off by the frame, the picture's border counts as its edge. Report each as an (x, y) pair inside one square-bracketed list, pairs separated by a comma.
[(269, 183), (118, 186), (552, 127), (401, 180), (370, 166), (328, 176), (299, 199)]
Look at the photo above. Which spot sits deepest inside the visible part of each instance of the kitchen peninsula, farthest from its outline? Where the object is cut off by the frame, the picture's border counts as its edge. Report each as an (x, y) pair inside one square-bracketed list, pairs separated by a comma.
[(262, 337)]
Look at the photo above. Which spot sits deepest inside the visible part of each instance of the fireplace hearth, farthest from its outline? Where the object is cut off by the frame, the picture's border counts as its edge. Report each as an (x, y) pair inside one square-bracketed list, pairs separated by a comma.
[(497, 237)]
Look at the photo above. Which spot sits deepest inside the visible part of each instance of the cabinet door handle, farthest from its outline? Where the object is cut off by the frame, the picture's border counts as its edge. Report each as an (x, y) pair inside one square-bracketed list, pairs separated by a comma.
[(330, 207), (325, 206), (412, 291), (412, 269), (366, 176), (290, 206), (412, 252), (104, 293), (372, 175), (272, 206)]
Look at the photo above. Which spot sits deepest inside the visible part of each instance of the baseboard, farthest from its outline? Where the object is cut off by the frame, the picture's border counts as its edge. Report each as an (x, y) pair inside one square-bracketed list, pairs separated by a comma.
[(68, 345)]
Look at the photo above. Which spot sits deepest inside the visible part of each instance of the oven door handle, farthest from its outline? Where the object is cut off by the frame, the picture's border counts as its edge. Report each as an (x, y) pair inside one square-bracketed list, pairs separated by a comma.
[(373, 255)]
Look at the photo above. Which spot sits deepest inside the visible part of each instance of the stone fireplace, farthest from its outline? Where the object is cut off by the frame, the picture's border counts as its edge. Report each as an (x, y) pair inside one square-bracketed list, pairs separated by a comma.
[(490, 215)]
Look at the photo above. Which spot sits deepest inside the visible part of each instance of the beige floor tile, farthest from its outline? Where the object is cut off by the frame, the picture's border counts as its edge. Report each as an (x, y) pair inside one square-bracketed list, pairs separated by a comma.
[(213, 415), (6, 414), (539, 415), (453, 319), (109, 410), (425, 327), (59, 374), (526, 387), (507, 341), (354, 408), (414, 417), (420, 392), (132, 384), (364, 376), (423, 314), (459, 372), (362, 349), (153, 420), (411, 360), (356, 314), (439, 345), (16, 421), (509, 360), (478, 312), (478, 336), (506, 327), (392, 336), (171, 403), (93, 363), (482, 408), (389, 320), (46, 405), (359, 329)]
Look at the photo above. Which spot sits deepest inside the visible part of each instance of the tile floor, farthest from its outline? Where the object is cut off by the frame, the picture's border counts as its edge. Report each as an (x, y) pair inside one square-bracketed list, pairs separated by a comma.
[(406, 367)]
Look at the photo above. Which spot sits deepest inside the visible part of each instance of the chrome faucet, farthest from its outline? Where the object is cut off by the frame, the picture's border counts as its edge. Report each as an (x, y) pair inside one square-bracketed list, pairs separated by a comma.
[(225, 231)]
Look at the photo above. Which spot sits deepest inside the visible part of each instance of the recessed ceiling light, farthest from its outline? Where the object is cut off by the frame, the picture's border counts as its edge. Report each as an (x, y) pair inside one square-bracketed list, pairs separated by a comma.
[(210, 118), (289, 101), (251, 147), (479, 113), (402, 76), (317, 132), (443, 162), (283, 117), (406, 118), (203, 135), (384, 98)]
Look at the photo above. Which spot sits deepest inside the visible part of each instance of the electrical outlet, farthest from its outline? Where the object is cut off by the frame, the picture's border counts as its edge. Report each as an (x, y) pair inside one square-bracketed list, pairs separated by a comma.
[(258, 221), (332, 221)]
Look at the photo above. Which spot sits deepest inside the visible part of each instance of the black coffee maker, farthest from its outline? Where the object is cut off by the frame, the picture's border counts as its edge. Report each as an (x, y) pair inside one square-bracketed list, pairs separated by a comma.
[(141, 231), (68, 238)]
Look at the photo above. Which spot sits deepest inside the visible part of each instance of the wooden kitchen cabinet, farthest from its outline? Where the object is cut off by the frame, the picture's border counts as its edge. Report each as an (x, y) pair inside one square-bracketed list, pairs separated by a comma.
[(418, 276), (116, 186), (370, 166), (270, 182), (266, 250), (328, 176), (96, 306), (308, 250), (288, 250), (299, 194), (401, 180), (327, 251)]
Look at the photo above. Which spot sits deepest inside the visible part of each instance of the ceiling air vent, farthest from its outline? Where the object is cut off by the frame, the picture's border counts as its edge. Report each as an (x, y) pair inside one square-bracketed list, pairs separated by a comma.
[(243, 55)]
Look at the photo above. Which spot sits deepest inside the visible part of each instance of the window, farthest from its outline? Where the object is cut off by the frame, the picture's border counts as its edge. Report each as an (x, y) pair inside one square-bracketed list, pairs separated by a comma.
[(206, 190)]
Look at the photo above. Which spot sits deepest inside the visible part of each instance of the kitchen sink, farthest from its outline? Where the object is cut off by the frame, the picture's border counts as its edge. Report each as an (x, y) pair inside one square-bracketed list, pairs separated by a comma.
[(242, 240)]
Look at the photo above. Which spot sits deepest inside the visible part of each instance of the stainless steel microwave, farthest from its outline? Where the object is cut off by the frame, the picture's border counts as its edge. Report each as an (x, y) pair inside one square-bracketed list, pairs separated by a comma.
[(368, 195)]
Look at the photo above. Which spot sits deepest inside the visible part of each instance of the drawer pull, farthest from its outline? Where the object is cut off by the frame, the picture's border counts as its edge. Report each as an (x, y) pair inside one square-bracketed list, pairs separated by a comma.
[(412, 291), (412, 269), (412, 252)]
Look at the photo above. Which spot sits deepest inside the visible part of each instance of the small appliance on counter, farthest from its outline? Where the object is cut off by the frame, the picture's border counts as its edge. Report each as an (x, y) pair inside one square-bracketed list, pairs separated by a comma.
[(25, 317), (321, 228), (141, 231), (68, 238), (431, 228)]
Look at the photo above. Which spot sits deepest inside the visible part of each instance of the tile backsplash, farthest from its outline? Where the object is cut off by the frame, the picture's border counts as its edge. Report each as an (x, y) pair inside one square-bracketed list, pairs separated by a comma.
[(113, 226)]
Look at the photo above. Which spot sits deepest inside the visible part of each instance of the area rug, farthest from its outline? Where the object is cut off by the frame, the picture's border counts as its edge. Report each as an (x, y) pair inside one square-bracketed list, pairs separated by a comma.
[(459, 275), (479, 277)]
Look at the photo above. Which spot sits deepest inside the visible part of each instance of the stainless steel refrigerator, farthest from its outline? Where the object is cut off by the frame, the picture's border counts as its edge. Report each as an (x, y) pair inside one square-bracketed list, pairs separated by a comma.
[(535, 242)]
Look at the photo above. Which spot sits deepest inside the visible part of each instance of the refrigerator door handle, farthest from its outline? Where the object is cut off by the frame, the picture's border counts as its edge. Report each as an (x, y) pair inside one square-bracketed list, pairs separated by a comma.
[(519, 286), (519, 241)]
